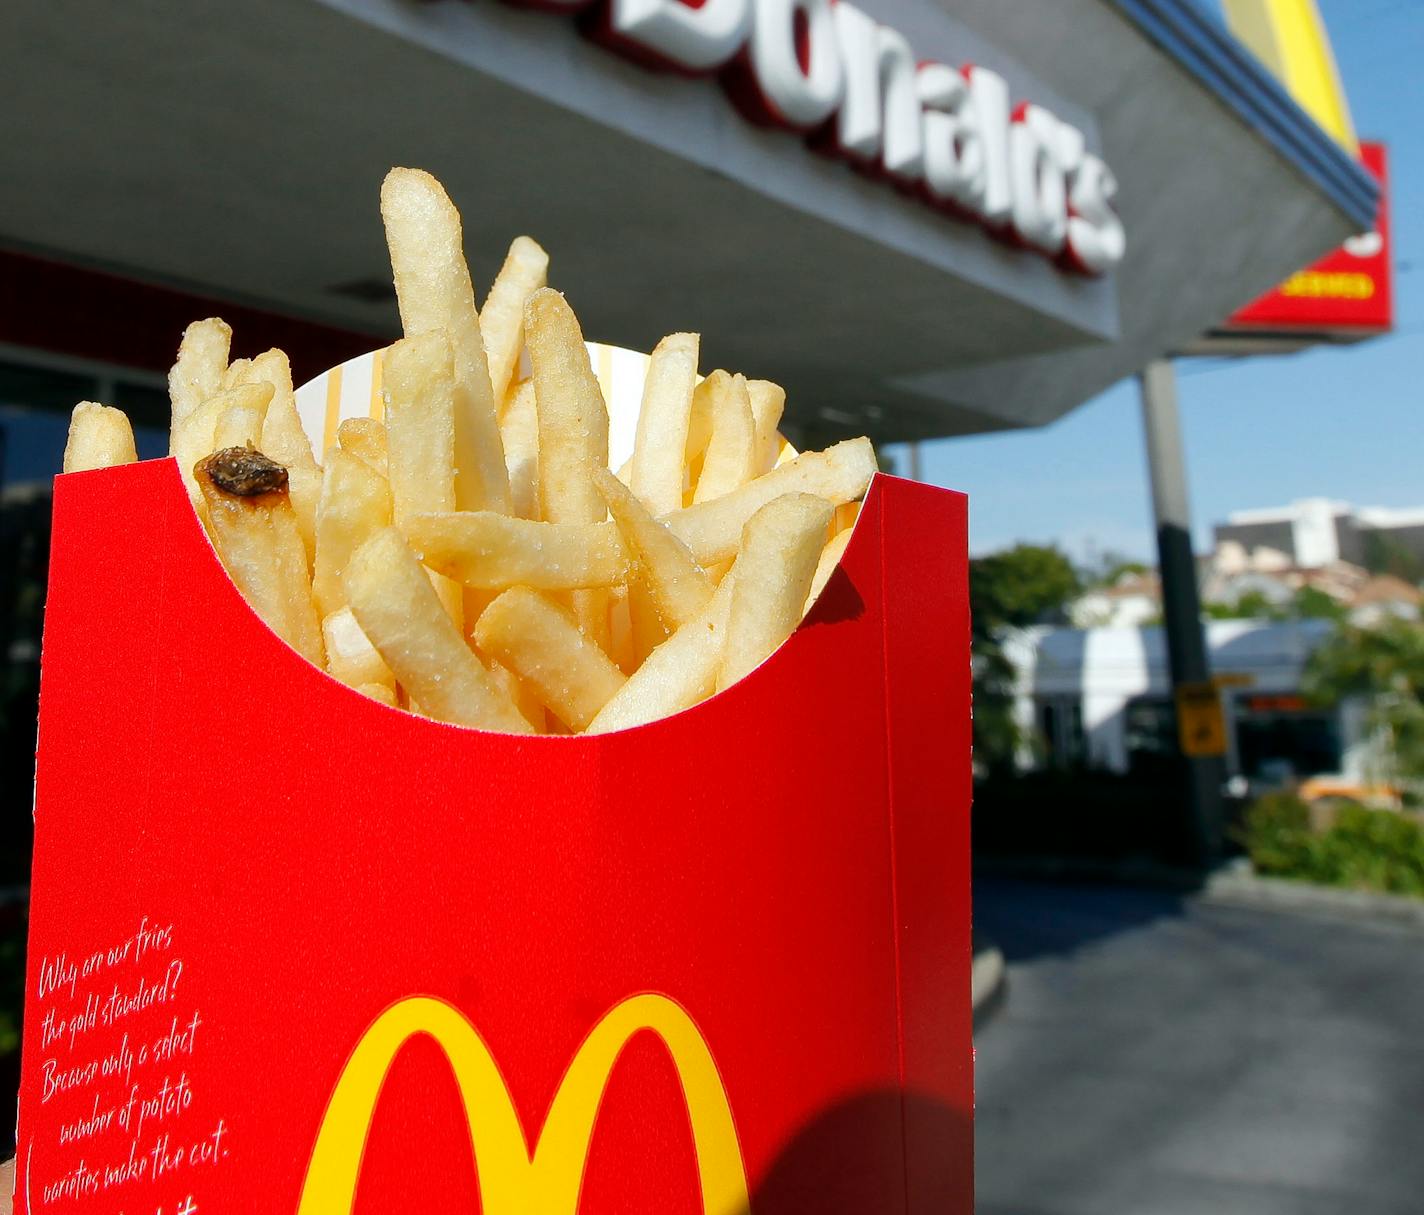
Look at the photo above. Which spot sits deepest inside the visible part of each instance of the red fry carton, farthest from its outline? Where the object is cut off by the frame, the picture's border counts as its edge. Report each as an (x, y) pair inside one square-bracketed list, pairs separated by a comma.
[(294, 951)]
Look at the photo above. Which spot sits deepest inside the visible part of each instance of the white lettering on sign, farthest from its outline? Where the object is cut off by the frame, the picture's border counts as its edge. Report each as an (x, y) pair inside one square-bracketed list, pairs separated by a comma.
[(827, 68)]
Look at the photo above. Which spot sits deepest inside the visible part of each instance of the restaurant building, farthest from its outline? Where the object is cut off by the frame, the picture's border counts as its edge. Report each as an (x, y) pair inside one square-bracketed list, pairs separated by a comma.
[(923, 217)]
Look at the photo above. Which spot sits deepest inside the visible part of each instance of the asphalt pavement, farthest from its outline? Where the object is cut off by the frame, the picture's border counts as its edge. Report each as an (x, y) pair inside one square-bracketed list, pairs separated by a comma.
[(1163, 1055)]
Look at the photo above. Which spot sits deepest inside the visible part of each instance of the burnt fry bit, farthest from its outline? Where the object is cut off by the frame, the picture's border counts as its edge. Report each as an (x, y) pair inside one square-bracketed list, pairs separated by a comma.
[(242, 471)]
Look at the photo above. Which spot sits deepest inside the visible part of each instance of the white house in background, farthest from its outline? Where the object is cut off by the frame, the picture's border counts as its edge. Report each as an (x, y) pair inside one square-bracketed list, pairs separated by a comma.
[(1316, 532), (1102, 696), (1132, 601)]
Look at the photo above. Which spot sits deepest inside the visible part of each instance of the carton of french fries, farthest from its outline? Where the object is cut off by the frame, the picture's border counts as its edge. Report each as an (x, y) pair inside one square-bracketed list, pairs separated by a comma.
[(498, 775)]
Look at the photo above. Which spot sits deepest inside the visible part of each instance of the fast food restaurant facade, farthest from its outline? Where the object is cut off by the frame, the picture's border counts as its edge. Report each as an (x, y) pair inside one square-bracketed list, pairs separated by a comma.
[(924, 218)]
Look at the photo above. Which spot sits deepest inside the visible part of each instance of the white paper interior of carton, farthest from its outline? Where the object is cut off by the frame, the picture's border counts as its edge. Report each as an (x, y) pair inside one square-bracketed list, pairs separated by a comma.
[(351, 391)]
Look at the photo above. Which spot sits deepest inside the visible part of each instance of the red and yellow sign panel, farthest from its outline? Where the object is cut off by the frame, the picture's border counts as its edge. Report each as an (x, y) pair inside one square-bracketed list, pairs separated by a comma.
[(292, 951), (1346, 293)]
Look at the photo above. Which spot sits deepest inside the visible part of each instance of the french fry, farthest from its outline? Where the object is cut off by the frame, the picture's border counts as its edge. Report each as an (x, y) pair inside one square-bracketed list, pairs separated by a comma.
[(397, 608), (525, 270), (528, 704), (781, 545), (676, 584), (198, 373), (731, 457), (658, 450), (830, 558), (699, 419), (433, 289), (713, 529), (573, 432), (365, 438), (355, 504), (573, 419), (99, 437), (519, 429), (284, 440), (350, 656), (545, 647), (193, 436), (379, 691), (239, 371), (255, 533), (491, 551), (678, 674), (240, 425), (768, 403), (419, 389)]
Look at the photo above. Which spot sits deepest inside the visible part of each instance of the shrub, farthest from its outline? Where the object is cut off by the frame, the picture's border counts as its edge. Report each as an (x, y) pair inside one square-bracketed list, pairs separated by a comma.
[(1362, 849)]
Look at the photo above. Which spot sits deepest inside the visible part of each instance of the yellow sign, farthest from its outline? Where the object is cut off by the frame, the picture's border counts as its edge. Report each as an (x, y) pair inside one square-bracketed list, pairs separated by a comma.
[(512, 1179), (1201, 725), (1289, 37)]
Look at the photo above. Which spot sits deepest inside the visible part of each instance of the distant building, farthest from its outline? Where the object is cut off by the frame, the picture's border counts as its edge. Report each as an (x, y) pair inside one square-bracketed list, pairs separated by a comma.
[(1102, 697), (1316, 532)]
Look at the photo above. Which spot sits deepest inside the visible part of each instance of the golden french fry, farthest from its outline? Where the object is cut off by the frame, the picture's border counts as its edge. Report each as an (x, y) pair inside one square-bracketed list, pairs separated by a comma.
[(198, 373), (365, 438), (284, 440), (419, 389), (240, 425), (678, 674), (193, 436), (519, 429), (525, 270), (397, 608), (355, 504), (830, 558), (490, 551), (379, 691), (238, 372), (99, 437), (781, 545), (646, 626), (768, 402), (699, 420), (712, 530), (255, 533), (573, 419), (731, 457), (350, 656), (676, 584), (661, 442), (573, 432), (528, 704), (434, 291), (543, 645), (620, 630)]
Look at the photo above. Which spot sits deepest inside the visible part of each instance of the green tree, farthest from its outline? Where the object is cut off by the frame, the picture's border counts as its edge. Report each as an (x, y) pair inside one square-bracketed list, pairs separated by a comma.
[(1385, 666), (1023, 585), (1386, 555), (1311, 603)]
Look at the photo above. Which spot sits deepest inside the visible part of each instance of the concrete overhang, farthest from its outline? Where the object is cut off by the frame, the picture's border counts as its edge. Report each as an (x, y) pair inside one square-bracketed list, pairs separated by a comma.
[(236, 151)]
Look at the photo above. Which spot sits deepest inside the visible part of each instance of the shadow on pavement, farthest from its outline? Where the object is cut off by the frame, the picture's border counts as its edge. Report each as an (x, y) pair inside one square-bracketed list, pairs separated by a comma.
[(1030, 919)]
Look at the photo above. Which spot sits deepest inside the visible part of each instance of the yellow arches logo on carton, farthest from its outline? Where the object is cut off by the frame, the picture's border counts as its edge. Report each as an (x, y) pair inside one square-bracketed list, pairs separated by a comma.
[(1289, 37), (513, 1179)]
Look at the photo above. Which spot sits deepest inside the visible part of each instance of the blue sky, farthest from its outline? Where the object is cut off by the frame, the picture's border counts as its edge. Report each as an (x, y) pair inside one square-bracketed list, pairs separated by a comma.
[(1336, 423)]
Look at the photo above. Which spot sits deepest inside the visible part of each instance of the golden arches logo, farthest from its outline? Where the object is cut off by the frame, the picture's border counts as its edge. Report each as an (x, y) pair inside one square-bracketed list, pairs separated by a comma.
[(513, 1179), (1289, 37)]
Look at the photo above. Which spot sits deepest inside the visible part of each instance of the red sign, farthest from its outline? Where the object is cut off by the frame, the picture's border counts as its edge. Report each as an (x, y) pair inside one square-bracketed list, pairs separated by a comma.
[(294, 951), (1346, 293)]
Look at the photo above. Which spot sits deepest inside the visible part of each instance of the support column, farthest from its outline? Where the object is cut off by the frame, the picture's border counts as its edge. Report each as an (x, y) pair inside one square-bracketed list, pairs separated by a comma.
[(1181, 602)]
